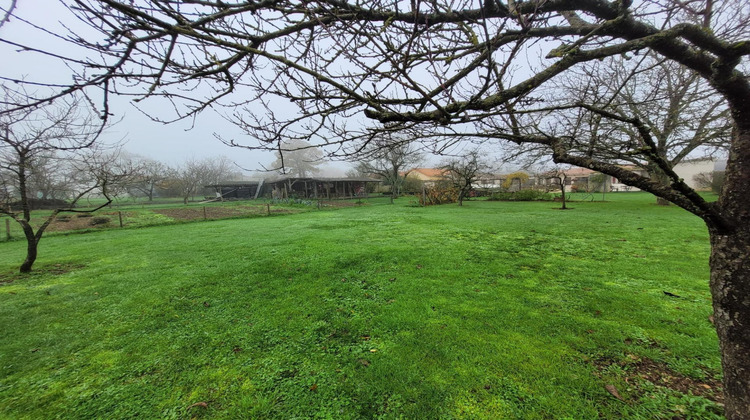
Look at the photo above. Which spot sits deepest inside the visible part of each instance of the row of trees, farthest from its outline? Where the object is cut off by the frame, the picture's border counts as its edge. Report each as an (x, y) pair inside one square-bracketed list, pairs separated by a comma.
[(50, 157)]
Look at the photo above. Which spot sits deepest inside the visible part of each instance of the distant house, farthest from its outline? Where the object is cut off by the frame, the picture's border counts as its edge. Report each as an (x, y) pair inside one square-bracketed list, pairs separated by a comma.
[(429, 176), (691, 171), (285, 187)]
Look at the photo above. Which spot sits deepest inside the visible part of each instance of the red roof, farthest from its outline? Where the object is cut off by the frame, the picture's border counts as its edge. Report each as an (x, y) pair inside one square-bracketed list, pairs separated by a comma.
[(430, 172)]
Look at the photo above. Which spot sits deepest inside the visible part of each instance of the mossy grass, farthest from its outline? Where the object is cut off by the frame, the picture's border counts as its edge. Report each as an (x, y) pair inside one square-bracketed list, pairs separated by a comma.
[(490, 310)]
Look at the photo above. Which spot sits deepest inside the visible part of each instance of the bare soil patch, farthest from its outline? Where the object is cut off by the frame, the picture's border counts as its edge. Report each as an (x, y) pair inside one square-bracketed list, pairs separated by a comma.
[(50, 269), (640, 369), (80, 221)]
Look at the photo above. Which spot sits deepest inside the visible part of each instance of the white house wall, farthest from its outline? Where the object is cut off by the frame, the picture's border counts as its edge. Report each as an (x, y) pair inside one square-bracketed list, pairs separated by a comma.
[(689, 169)]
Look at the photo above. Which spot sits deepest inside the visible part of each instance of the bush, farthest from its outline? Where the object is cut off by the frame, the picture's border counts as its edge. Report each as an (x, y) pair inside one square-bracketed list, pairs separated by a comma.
[(99, 220), (522, 195), (439, 194)]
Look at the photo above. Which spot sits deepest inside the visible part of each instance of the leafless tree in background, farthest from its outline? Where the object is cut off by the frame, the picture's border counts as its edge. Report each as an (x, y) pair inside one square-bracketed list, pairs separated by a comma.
[(559, 179), (297, 158), (448, 70), (391, 158), (462, 172), (189, 179), (29, 136), (149, 175)]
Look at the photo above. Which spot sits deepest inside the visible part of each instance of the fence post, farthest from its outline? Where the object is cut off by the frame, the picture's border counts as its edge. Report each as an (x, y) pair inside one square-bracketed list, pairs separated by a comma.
[(268, 208), (7, 229), (119, 214), (204, 213)]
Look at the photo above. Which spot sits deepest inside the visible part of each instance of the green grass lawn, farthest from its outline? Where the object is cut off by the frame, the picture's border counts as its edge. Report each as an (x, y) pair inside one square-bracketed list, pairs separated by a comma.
[(491, 310)]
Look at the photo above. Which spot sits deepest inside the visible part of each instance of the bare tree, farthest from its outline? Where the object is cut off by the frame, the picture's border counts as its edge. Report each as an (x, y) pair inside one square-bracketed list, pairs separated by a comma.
[(390, 158), (189, 179), (451, 72), (31, 135), (462, 172), (50, 177), (559, 179), (298, 158), (682, 112), (150, 173)]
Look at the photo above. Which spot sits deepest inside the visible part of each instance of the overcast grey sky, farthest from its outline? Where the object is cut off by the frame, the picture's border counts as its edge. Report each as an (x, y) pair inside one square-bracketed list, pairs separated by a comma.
[(172, 143)]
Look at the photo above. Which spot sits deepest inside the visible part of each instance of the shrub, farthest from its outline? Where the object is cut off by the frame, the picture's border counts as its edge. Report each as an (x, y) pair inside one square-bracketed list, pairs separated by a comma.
[(439, 194), (522, 195)]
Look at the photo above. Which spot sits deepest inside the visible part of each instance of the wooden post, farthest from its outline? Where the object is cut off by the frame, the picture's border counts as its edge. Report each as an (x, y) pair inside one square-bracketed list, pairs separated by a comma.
[(268, 208), (7, 229), (424, 196), (119, 215), (318, 204), (205, 216)]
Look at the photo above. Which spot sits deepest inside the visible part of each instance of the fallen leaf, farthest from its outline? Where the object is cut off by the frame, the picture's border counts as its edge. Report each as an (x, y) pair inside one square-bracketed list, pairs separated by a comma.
[(706, 386), (711, 319), (199, 404), (612, 390), (365, 337), (314, 388), (34, 350), (373, 350), (670, 294), (343, 280), (419, 266), (236, 350), (206, 304), (392, 279), (590, 331), (364, 362)]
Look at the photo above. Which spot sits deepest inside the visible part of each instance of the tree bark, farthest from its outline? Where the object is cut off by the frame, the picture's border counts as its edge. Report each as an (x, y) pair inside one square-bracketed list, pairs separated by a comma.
[(730, 278), (730, 290), (32, 246)]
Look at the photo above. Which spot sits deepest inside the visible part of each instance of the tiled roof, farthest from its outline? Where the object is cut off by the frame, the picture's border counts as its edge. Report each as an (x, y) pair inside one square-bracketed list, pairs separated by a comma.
[(430, 172)]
